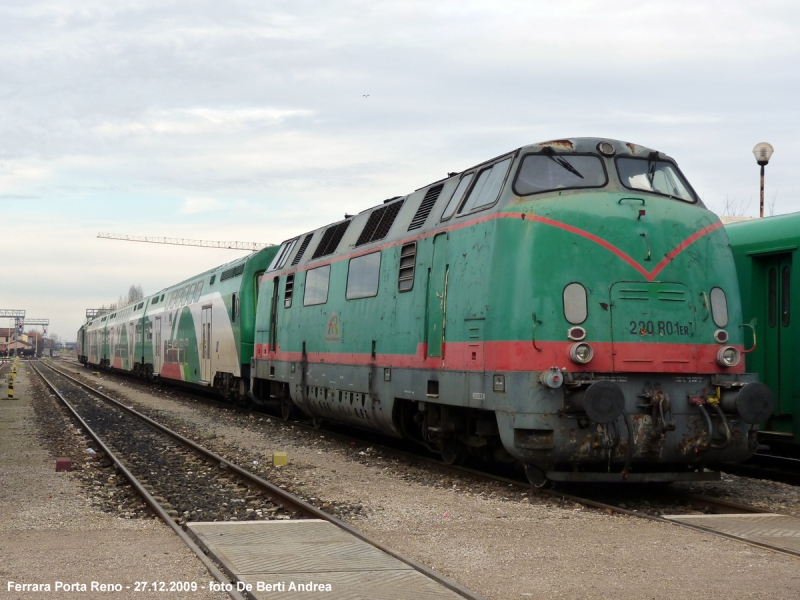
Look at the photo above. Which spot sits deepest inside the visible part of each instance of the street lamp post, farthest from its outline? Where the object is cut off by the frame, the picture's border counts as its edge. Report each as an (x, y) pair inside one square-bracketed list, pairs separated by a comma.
[(763, 152)]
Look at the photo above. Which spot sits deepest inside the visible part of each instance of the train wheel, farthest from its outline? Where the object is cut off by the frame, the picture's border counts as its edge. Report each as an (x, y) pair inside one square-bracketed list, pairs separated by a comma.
[(537, 477), (287, 409), (317, 422), (453, 452)]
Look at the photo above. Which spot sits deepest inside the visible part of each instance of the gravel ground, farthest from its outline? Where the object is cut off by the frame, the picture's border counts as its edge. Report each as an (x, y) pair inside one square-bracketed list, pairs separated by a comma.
[(52, 531), (189, 488), (500, 541)]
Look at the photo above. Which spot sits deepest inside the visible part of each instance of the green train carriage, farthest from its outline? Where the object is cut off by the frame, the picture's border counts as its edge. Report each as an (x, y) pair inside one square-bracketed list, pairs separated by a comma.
[(570, 305), (765, 252)]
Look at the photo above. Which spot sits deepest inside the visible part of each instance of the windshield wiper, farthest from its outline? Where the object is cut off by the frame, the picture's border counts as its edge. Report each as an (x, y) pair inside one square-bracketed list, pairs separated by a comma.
[(563, 162)]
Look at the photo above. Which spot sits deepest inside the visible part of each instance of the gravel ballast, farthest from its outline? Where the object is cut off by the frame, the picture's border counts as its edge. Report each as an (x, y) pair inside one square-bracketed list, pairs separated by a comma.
[(52, 531), (500, 541)]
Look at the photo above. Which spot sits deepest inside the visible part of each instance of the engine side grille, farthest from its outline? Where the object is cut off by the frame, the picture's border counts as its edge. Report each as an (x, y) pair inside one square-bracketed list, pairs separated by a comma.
[(431, 196)]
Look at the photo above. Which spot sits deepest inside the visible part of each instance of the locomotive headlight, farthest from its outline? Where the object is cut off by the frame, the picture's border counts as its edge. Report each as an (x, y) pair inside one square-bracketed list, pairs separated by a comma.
[(728, 356), (581, 353)]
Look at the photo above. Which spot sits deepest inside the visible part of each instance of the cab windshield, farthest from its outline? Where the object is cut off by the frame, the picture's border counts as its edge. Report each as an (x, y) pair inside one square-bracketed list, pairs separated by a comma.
[(653, 175), (547, 172)]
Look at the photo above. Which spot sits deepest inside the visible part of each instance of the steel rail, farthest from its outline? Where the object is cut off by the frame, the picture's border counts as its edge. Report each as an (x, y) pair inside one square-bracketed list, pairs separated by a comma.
[(766, 466), (702, 502), (146, 496), (279, 495)]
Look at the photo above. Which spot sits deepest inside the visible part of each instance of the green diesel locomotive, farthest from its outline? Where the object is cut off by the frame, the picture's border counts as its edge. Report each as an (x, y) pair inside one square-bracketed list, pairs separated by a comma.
[(570, 305)]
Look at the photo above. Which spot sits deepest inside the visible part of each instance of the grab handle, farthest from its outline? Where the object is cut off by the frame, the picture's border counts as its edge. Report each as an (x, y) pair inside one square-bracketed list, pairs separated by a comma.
[(751, 325)]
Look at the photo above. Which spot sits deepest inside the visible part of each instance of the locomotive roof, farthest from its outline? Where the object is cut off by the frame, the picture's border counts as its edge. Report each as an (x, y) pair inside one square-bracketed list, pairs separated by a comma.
[(400, 216)]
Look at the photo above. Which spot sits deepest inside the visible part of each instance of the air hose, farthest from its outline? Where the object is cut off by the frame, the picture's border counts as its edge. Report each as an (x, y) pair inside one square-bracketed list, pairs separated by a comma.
[(710, 425), (725, 427), (629, 456)]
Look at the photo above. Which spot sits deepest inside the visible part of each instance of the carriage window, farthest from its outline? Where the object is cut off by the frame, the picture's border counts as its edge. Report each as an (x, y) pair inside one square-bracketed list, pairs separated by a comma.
[(772, 298), (575, 305), (457, 195), (316, 291), (190, 294), (363, 276), (785, 296), (487, 187), (549, 172), (719, 307), (653, 175)]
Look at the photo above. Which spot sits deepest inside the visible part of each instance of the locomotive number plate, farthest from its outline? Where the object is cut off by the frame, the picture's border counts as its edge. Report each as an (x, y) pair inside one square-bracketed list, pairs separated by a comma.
[(662, 328)]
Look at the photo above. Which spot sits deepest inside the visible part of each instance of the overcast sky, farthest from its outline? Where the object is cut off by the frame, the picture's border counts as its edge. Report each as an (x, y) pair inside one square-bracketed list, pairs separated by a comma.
[(248, 120)]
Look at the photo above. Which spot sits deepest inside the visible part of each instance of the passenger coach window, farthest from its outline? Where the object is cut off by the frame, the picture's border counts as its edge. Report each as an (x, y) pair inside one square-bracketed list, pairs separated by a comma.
[(548, 172), (487, 187), (719, 307), (363, 276), (316, 291), (785, 300), (658, 176)]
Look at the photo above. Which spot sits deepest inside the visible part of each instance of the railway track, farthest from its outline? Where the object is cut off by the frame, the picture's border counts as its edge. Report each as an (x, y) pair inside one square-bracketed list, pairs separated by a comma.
[(652, 501), (768, 466), (174, 474)]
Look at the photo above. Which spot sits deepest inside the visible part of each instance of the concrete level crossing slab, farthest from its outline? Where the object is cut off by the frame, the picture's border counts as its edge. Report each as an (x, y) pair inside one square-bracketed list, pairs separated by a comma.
[(278, 557), (780, 531)]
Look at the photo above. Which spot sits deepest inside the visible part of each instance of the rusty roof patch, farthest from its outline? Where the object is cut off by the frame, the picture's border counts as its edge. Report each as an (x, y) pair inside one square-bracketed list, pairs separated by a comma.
[(559, 144)]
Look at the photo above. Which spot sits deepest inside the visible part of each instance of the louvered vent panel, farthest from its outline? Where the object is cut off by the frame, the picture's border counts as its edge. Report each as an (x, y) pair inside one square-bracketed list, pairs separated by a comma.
[(371, 226), (379, 223), (431, 196), (302, 250), (227, 274), (330, 239)]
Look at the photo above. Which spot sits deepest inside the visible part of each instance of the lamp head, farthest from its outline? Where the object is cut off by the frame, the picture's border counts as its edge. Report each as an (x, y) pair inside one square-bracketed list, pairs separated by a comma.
[(763, 152)]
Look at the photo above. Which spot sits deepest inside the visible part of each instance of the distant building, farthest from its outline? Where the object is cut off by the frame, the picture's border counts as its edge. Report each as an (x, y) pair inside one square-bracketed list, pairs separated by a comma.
[(7, 344)]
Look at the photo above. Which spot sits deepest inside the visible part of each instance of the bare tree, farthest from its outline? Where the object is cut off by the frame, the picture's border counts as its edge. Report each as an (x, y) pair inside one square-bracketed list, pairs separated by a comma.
[(734, 208), (135, 293), (771, 206)]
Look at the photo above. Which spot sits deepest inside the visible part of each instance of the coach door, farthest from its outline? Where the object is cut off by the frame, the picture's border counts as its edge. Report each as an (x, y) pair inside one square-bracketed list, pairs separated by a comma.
[(273, 316), (776, 317), (437, 297), (205, 358), (158, 357)]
